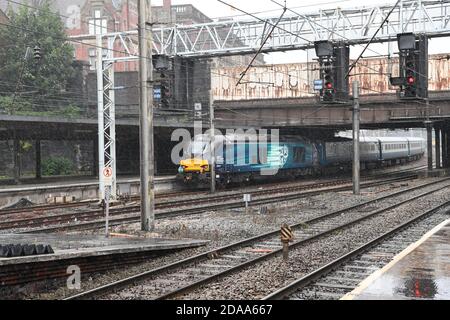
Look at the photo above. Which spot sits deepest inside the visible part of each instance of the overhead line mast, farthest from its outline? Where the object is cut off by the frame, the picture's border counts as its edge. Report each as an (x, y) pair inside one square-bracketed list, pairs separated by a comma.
[(146, 117)]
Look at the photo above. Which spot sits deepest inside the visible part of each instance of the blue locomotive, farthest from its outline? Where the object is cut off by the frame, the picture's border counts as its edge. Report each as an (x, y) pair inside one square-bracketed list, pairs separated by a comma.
[(243, 158)]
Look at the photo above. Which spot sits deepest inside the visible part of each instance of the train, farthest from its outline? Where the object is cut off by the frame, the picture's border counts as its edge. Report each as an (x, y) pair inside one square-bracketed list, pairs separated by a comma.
[(242, 158)]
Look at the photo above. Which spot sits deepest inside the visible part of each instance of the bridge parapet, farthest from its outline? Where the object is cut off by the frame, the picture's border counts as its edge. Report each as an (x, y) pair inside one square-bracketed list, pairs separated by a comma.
[(376, 111)]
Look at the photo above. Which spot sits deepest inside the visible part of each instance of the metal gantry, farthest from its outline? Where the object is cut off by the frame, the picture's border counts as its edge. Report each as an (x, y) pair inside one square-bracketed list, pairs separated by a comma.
[(106, 107), (294, 32)]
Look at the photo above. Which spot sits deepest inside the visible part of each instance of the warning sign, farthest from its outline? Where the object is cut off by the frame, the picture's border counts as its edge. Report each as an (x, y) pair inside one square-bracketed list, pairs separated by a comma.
[(107, 176), (286, 233)]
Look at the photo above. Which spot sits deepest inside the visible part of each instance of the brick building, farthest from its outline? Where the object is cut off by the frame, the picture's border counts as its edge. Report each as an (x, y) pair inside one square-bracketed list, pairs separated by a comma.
[(3, 17), (86, 18)]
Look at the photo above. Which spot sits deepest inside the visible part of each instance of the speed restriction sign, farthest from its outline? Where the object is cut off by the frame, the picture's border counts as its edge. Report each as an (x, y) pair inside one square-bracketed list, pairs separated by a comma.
[(107, 176)]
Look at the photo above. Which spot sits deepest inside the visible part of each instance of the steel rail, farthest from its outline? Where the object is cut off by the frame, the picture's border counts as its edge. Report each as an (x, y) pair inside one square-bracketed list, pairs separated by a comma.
[(68, 217), (101, 291), (41, 207), (131, 217), (324, 270)]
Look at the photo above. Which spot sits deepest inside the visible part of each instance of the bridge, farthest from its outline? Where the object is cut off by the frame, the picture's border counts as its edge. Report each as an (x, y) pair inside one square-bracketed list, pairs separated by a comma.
[(377, 111), (283, 96)]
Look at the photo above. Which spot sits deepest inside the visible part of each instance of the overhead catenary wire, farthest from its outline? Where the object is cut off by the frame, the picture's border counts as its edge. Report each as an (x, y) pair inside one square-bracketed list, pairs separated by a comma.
[(124, 52), (96, 46), (276, 26), (88, 44), (323, 27), (373, 37), (266, 21), (276, 10), (260, 48)]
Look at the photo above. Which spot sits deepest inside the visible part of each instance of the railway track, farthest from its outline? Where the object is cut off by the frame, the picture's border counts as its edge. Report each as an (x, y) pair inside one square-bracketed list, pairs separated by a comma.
[(42, 208), (341, 276), (173, 280), (49, 207), (131, 214)]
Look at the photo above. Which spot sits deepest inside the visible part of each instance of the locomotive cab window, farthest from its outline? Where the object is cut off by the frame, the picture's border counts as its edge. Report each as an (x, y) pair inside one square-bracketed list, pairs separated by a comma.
[(299, 154)]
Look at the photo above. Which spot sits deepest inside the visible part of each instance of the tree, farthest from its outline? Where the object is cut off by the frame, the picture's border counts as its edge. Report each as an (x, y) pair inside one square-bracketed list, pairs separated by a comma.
[(43, 82)]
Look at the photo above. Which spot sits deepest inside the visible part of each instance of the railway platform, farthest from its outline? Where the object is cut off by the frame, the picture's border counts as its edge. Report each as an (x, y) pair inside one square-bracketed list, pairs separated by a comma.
[(421, 271), (91, 253), (80, 188)]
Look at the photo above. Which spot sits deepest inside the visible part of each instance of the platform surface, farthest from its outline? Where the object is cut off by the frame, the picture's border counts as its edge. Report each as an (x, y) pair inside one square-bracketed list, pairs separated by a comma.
[(76, 246), (422, 271), (70, 182)]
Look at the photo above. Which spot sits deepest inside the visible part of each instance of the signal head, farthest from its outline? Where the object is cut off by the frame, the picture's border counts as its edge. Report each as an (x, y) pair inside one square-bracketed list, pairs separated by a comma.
[(37, 53)]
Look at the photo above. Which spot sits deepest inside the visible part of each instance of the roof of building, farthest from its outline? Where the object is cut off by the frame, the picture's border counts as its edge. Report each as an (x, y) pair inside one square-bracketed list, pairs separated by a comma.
[(185, 13), (62, 6)]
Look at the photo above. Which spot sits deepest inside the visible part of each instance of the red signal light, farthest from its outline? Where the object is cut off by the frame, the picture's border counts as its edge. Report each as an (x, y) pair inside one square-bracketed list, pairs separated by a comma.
[(329, 85), (410, 80)]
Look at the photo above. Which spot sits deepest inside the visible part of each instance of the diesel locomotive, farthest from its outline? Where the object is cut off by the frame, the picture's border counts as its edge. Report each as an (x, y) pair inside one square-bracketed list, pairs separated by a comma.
[(240, 158)]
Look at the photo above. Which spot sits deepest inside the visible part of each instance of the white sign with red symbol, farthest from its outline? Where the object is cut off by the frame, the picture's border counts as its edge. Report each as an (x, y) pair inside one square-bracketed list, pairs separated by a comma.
[(108, 176)]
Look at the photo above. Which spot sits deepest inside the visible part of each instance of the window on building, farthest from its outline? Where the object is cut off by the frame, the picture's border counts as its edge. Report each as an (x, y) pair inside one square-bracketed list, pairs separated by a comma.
[(99, 24)]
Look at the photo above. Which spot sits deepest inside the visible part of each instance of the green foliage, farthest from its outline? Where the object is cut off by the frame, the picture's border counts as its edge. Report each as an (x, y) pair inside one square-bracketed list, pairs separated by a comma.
[(58, 166), (25, 146), (20, 104), (43, 81)]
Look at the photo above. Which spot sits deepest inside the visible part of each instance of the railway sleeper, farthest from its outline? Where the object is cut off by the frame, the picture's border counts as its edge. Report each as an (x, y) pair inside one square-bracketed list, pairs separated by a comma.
[(341, 280), (333, 286)]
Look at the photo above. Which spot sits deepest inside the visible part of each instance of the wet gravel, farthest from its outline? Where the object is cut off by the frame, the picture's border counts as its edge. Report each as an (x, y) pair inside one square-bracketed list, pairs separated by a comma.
[(258, 281), (347, 277)]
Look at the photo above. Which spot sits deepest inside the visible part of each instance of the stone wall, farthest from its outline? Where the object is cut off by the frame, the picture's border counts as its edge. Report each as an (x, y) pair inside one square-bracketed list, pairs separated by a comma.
[(80, 153)]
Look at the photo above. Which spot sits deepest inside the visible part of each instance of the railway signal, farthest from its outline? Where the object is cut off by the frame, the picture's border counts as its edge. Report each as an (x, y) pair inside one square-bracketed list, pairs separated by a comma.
[(334, 64), (165, 92), (410, 70), (37, 53), (413, 77), (328, 91), (163, 80)]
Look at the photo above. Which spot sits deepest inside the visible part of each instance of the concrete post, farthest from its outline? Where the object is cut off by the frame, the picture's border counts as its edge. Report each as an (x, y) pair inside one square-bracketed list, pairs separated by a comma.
[(447, 147), (438, 146), (146, 117), (38, 159), (444, 147), (430, 145), (16, 158), (356, 133), (212, 142), (95, 155)]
